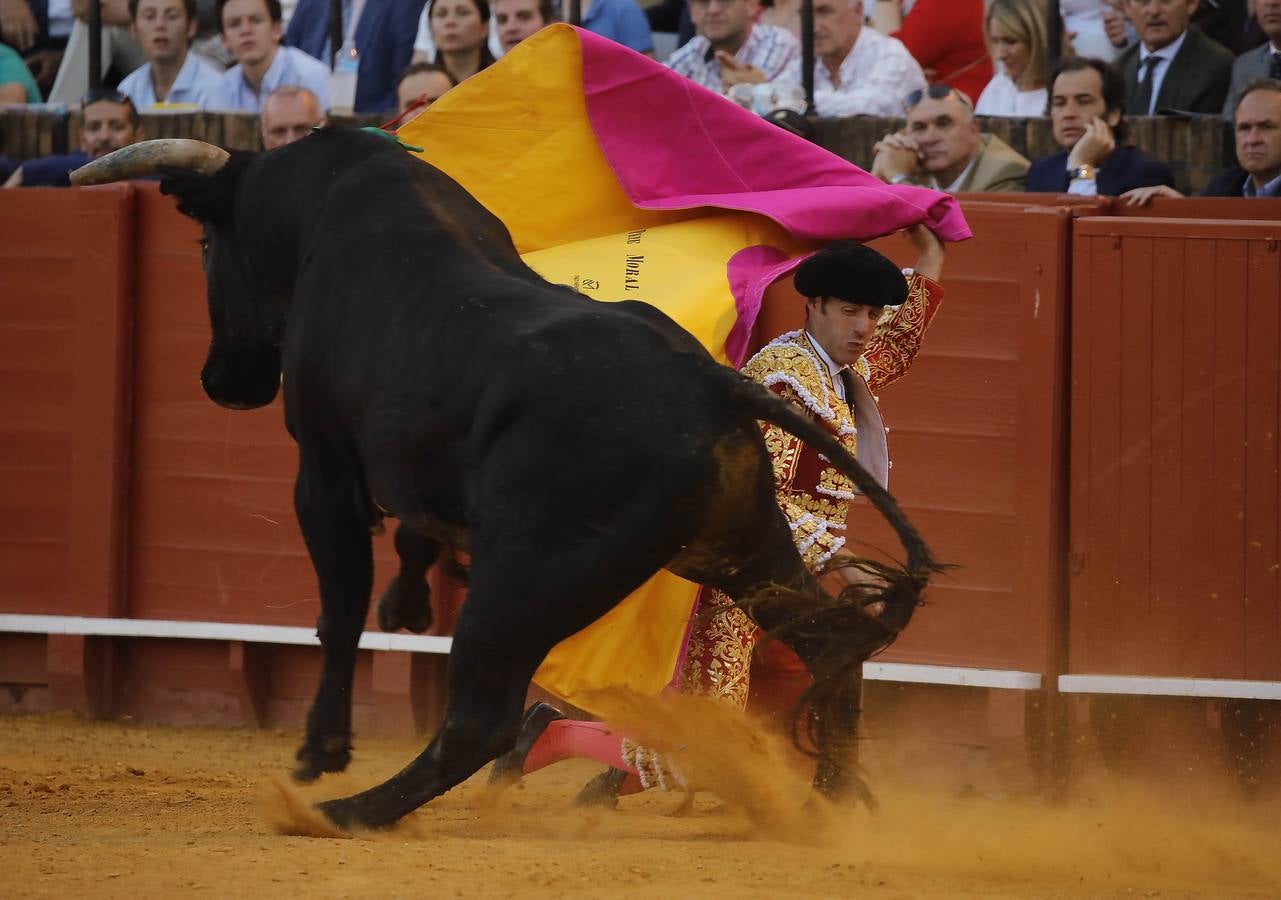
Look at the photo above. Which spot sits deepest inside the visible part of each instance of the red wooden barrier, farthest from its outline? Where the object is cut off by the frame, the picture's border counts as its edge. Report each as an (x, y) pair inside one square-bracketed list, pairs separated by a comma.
[(65, 337), (1174, 451)]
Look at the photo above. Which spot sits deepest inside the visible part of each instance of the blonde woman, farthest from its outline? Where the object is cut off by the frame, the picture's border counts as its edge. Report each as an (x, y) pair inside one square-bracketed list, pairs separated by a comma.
[(1016, 36)]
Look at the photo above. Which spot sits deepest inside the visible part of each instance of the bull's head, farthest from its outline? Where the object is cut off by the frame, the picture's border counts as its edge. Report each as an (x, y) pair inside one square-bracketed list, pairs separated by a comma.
[(242, 370)]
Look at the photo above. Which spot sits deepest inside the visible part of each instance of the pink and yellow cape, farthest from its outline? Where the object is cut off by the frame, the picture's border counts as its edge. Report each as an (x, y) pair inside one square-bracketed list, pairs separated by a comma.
[(627, 181)]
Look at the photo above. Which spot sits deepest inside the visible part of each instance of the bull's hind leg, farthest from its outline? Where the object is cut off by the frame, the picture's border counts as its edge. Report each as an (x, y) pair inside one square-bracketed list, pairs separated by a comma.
[(520, 605), (406, 603), (337, 536)]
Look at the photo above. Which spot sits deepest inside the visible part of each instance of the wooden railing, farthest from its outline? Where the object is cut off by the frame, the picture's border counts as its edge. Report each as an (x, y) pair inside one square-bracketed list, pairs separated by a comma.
[(1194, 148)]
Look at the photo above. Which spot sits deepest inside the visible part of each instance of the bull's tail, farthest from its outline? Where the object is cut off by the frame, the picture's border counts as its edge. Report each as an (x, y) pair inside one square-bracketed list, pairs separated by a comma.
[(763, 405), (837, 634)]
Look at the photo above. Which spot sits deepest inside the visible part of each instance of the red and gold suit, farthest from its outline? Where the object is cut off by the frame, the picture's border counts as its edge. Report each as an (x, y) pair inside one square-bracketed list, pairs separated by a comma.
[(813, 495)]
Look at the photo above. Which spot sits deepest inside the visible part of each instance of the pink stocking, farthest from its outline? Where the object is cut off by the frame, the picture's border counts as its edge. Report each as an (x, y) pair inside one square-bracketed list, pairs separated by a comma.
[(568, 739)]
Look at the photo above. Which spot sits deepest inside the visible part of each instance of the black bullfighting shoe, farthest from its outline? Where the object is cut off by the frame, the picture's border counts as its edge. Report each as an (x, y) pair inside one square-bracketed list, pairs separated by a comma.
[(602, 790), (511, 765)]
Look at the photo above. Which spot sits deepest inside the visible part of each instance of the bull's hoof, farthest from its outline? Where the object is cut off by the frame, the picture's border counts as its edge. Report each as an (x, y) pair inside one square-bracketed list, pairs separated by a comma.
[(312, 762), (841, 786), (603, 790), (511, 765), (406, 606)]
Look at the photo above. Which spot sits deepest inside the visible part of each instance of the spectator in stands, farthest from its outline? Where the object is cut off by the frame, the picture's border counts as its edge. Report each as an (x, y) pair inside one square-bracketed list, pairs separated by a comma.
[(251, 29), (858, 71), (622, 21), (944, 36), (731, 48), (110, 122), (38, 31), (1016, 35), (1087, 99), (942, 148), (518, 19), (422, 82), (289, 114), (1257, 124), (382, 32), (164, 29), (1172, 66), (1262, 62), (459, 34), (17, 84)]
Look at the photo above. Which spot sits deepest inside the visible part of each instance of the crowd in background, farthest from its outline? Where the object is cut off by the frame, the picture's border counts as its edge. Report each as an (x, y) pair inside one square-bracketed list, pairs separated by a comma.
[(1087, 64)]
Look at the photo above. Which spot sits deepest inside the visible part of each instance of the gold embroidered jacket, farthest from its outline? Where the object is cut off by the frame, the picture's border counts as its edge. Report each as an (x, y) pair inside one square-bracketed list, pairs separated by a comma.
[(813, 495)]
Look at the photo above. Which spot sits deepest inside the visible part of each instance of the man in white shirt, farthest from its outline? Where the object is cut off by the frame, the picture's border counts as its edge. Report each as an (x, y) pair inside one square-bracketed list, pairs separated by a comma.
[(172, 74), (859, 71), (732, 48), (251, 29)]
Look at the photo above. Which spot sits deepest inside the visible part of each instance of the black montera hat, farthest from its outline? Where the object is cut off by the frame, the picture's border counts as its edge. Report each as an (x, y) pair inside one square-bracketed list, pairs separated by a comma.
[(849, 271)]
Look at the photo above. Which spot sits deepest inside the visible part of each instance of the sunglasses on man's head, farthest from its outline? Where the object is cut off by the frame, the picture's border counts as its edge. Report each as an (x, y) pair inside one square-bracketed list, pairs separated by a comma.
[(938, 91), (98, 94)]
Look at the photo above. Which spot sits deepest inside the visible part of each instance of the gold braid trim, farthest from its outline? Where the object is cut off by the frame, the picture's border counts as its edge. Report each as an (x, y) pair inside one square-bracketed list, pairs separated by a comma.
[(897, 338)]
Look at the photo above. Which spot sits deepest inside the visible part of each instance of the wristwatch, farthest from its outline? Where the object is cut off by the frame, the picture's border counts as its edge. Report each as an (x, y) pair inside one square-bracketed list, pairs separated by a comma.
[(1086, 172), (900, 178)]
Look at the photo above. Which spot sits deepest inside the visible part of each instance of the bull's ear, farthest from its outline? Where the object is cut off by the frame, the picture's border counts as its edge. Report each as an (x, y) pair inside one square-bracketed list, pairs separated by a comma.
[(206, 198)]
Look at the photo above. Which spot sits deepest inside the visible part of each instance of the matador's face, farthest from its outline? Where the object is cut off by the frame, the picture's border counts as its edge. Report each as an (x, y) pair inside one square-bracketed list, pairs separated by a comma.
[(841, 328)]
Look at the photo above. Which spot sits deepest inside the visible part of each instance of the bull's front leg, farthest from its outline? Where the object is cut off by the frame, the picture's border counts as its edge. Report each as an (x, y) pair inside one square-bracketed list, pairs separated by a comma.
[(341, 551)]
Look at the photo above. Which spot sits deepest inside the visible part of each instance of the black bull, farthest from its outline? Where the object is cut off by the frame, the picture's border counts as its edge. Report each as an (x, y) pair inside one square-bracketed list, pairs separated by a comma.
[(572, 447)]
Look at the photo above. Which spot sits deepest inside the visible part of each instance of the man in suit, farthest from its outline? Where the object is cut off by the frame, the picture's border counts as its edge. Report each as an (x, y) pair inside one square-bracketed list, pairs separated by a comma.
[(943, 148), (1087, 97), (1263, 61), (383, 32), (1257, 125), (1172, 66)]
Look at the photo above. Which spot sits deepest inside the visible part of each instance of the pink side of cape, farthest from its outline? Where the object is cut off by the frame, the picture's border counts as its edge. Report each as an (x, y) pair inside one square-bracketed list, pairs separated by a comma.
[(675, 145)]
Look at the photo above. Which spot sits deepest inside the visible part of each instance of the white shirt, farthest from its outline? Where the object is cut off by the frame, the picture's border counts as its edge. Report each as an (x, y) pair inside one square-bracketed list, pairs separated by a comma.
[(960, 179), (198, 83), (1002, 97), (767, 47), (290, 66), (1166, 54), (832, 367), (876, 76)]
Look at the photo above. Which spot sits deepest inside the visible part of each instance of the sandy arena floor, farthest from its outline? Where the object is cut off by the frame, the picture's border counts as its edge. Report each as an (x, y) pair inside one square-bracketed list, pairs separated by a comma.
[(123, 810)]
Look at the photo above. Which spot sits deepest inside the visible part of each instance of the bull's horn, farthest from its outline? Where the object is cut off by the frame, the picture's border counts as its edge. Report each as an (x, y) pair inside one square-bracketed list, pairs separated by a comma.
[(145, 158)]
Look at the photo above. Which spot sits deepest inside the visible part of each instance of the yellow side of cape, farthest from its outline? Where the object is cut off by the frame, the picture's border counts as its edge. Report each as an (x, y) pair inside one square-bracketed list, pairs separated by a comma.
[(518, 138)]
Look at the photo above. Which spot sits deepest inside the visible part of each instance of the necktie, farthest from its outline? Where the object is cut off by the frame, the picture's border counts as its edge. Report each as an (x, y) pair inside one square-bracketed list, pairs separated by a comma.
[(1142, 105), (847, 381), (336, 31), (1274, 65)]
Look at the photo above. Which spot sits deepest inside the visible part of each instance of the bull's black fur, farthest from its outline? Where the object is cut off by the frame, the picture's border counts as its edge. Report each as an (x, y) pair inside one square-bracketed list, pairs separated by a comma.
[(572, 447)]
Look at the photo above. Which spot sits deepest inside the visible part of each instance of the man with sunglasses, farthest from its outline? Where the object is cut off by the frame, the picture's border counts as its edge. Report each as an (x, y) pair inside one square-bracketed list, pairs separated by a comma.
[(110, 122), (942, 148)]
